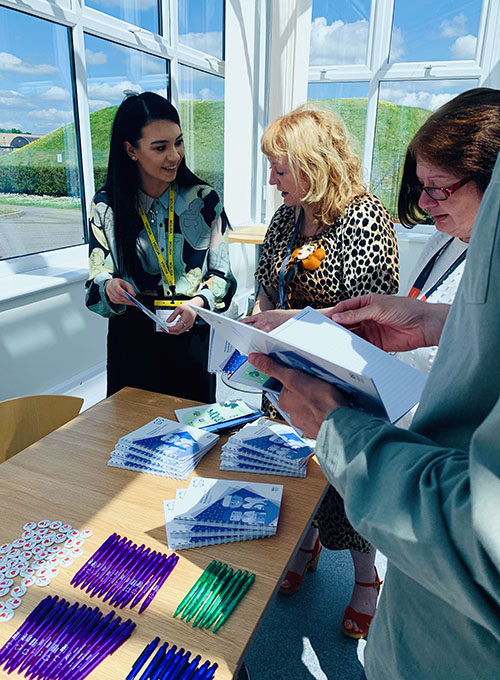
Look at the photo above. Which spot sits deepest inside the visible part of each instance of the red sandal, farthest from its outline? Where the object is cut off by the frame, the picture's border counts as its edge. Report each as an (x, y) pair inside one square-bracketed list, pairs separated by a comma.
[(361, 620), (292, 582)]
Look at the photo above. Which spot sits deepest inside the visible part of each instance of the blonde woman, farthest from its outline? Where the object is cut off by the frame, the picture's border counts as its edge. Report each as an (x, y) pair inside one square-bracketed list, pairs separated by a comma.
[(330, 240)]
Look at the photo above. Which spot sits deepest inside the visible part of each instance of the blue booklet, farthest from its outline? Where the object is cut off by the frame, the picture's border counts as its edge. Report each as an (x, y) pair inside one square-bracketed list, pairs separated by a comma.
[(221, 511)]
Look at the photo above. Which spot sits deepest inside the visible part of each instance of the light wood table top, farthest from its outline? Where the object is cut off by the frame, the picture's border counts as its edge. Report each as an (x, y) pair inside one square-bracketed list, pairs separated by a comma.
[(65, 476), (252, 235)]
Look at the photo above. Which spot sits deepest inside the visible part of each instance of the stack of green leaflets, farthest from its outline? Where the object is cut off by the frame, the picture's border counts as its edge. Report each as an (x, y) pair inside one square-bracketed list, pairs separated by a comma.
[(222, 415), (214, 596)]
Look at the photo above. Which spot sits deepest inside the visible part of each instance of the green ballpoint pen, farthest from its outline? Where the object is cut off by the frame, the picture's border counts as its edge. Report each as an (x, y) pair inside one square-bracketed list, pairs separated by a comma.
[(224, 599), (219, 590), (232, 605), (188, 597), (205, 589), (215, 586)]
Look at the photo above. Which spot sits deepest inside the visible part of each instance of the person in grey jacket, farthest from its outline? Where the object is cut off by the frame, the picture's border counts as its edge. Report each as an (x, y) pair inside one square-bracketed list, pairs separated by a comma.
[(427, 497)]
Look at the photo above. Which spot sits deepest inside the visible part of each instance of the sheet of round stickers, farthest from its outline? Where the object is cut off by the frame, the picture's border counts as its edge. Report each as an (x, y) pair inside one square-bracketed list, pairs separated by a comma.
[(35, 558)]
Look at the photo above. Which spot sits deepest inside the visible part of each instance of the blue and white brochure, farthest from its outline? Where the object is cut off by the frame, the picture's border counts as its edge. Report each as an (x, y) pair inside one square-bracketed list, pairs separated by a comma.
[(162, 447), (267, 447), (228, 504), (218, 416)]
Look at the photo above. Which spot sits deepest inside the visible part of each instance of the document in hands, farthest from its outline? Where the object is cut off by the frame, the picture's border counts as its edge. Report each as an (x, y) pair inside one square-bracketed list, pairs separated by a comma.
[(374, 381)]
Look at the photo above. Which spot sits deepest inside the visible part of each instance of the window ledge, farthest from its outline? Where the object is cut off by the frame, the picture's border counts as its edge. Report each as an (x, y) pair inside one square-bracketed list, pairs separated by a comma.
[(31, 274)]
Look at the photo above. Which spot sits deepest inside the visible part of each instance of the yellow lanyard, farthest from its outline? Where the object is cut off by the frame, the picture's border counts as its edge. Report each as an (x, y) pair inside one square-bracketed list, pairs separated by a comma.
[(167, 272)]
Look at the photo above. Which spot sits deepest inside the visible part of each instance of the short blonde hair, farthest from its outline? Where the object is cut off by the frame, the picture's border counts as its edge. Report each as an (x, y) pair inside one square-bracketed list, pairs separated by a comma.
[(315, 141)]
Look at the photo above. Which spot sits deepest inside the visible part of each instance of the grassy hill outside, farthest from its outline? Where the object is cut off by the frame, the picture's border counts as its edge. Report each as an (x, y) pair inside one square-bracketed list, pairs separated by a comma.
[(35, 169)]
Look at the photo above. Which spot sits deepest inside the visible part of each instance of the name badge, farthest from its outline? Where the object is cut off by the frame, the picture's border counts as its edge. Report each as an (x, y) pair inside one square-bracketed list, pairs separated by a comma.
[(163, 309)]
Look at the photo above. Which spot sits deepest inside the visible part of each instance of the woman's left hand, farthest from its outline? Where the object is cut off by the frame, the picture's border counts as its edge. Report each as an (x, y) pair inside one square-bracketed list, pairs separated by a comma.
[(269, 320), (185, 316)]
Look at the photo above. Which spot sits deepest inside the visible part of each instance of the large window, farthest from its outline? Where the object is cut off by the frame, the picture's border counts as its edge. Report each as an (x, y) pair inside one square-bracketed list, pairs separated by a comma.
[(385, 67), (65, 67), (339, 32), (435, 30), (202, 117), (143, 13), (40, 192), (113, 71), (201, 25)]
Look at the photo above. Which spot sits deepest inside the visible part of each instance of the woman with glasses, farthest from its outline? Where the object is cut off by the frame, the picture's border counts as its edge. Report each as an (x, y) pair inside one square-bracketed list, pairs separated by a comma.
[(447, 168)]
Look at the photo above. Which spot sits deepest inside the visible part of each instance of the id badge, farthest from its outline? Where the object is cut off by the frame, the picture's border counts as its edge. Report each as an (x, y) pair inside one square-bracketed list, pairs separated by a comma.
[(163, 309)]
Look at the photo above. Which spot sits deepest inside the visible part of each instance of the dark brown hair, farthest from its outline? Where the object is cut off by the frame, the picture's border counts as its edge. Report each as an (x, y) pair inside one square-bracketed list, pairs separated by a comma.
[(463, 135)]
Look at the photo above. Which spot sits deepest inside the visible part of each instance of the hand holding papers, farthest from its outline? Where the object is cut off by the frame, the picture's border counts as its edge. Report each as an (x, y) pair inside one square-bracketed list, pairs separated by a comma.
[(373, 380)]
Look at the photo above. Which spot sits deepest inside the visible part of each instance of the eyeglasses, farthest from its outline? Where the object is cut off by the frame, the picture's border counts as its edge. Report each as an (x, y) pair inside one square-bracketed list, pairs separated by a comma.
[(441, 193)]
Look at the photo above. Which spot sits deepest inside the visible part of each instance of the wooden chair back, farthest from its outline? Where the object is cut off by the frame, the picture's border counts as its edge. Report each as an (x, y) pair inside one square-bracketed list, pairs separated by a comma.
[(25, 420)]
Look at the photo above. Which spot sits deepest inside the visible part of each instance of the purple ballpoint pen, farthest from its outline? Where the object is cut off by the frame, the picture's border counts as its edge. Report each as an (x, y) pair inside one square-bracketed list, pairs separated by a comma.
[(121, 634), (116, 588), (91, 640), (49, 642), (144, 579), (111, 568), (94, 559), (53, 643), (42, 637), (25, 629), (102, 565), (158, 585), (142, 567), (76, 646)]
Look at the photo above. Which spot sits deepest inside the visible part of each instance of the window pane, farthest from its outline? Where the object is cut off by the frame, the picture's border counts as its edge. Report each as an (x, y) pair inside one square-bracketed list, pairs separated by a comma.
[(201, 98), (339, 32), (40, 196), (201, 25), (402, 108), (435, 30), (143, 13), (112, 71), (349, 100)]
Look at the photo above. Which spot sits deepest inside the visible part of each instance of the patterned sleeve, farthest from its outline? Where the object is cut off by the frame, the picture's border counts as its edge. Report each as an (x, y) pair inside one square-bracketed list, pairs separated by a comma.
[(369, 250), (218, 283), (101, 261)]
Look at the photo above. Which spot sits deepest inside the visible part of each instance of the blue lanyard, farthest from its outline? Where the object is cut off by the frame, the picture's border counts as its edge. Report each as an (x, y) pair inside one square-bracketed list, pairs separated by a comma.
[(284, 276)]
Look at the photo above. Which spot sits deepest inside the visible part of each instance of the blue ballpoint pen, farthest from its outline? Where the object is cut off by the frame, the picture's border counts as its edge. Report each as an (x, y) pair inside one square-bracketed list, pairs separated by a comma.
[(160, 668), (142, 658), (178, 665), (191, 669), (154, 663), (200, 673), (210, 672)]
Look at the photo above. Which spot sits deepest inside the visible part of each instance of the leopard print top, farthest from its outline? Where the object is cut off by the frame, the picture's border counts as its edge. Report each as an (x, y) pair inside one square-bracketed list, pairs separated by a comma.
[(361, 256)]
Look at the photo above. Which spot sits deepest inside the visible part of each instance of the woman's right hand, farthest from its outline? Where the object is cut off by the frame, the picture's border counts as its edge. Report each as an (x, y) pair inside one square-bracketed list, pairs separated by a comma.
[(268, 321), (393, 323), (115, 291)]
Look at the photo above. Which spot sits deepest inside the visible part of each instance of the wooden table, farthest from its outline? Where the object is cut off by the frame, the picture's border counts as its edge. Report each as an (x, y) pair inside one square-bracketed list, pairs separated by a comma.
[(64, 476), (253, 235)]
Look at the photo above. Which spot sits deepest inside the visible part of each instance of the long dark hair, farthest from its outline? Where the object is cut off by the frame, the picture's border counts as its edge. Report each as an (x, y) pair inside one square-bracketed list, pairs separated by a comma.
[(122, 179), (462, 135)]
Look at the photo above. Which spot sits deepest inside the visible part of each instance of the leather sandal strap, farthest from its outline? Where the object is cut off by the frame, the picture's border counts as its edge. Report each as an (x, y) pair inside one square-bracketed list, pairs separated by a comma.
[(375, 584)]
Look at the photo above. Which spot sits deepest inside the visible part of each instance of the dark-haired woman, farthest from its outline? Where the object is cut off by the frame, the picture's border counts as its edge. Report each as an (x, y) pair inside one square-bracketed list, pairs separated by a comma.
[(158, 233)]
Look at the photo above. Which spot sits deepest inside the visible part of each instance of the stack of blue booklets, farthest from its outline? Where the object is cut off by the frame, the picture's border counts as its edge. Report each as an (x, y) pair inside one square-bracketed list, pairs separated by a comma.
[(269, 448), (162, 447), (220, 416), (214, 511)]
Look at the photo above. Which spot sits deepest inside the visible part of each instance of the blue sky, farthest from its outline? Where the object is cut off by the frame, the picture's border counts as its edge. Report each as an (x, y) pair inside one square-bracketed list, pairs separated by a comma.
[(35, 83)]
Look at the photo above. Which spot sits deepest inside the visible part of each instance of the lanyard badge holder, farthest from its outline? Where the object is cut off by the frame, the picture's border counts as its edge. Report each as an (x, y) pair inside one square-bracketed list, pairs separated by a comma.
[(163, 308)]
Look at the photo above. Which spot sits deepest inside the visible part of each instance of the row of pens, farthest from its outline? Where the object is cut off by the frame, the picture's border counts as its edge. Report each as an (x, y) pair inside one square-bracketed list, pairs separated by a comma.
[(63, 641)]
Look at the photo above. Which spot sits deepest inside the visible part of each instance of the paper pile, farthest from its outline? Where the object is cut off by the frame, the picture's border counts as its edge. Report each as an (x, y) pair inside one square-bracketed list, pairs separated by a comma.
[(162, 447), (213, 511)]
